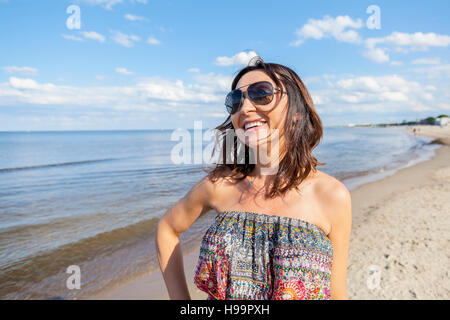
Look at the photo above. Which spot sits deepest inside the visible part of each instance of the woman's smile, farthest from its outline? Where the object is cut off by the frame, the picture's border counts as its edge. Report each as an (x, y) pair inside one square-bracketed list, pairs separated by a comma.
[(254, 125)]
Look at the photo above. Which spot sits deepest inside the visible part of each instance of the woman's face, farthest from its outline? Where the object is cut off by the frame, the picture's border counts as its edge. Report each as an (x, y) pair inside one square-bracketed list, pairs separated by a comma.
[(271, 121)]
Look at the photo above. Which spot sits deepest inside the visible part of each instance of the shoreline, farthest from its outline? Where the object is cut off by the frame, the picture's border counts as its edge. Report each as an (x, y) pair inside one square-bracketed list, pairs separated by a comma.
[(372, 200)]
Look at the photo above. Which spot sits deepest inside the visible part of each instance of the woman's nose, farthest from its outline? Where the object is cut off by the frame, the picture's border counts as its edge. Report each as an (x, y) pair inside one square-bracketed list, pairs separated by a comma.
[(247, 104)]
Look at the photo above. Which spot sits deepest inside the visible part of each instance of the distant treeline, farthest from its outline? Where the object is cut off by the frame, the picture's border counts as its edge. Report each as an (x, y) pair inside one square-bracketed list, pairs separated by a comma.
[(429, 120)]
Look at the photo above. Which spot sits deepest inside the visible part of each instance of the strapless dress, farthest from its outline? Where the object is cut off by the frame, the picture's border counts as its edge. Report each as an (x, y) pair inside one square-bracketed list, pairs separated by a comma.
[(255, 256)]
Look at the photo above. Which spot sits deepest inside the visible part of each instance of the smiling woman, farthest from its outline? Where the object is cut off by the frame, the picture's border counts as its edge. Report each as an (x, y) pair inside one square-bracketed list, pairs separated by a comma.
[(273, 111), (249, 252)]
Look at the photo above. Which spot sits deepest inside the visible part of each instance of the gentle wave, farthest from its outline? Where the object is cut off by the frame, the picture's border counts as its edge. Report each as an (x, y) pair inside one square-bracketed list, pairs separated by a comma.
[(63, 164), (30, 269)]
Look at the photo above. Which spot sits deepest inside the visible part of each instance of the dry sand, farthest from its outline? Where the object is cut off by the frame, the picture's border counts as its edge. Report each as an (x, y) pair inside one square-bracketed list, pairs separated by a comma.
[(399, 247), (401, 231)]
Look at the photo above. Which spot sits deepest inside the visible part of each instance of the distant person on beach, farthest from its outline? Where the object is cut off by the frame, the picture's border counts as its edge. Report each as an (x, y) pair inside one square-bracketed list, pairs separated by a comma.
[(279, 234)]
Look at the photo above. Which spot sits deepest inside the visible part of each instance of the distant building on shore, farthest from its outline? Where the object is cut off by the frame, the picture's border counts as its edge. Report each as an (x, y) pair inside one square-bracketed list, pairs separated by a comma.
[(368, 124), (442, 121)]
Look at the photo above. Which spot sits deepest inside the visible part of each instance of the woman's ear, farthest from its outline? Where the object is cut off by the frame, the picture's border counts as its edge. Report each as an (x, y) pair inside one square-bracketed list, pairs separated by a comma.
[(296, 117)]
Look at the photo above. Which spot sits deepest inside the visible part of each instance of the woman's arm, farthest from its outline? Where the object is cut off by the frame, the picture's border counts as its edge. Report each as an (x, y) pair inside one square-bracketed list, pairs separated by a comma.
[(177, 220), (341, 224)]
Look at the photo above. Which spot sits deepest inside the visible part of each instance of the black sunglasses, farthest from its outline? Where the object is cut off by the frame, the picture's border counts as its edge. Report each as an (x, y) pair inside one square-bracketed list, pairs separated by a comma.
[(261, 93)]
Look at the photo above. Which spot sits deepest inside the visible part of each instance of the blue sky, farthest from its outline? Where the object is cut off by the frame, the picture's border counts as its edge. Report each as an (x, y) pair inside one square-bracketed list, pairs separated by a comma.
[(142, 64)]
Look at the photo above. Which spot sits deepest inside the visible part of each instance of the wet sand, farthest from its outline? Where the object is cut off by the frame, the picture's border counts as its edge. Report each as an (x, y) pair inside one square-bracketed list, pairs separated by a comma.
[(399, 247)]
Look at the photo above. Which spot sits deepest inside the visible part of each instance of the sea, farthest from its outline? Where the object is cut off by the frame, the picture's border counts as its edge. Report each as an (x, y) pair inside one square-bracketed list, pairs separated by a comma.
[(92, 199)]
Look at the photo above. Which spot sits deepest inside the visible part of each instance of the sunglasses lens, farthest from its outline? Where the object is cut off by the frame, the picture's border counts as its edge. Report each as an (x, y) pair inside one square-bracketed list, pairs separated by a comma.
[(261, 92), (233, 101)]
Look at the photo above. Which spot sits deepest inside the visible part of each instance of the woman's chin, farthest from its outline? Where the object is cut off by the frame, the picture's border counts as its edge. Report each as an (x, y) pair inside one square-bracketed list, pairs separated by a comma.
[(255, 142), (254, 145)]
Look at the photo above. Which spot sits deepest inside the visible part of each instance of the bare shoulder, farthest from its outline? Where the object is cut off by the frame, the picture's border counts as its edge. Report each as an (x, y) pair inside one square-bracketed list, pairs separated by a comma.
[(211, 189), (335, 197), (206, 187), (332, 188)]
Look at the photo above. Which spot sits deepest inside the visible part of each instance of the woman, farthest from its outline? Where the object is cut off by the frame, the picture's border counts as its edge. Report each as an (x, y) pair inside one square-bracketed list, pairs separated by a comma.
[(283, 227)]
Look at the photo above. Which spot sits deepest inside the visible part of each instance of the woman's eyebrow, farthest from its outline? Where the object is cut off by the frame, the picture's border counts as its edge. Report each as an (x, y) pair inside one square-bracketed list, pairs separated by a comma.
[(245, 85), (252, 83)]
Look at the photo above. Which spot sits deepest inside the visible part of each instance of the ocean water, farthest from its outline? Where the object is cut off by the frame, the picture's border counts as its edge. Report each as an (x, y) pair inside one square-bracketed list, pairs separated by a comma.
[(93, 199)]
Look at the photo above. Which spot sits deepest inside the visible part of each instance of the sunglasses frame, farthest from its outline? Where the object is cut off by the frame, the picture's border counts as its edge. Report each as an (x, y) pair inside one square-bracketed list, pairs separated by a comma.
[(245, 93)]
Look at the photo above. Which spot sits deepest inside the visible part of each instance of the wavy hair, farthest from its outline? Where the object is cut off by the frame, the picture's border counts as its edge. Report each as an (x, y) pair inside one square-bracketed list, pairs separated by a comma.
[(301, 136)]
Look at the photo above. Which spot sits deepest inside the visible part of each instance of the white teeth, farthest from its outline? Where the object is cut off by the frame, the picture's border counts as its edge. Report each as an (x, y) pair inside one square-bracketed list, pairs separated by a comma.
[(253, 124)]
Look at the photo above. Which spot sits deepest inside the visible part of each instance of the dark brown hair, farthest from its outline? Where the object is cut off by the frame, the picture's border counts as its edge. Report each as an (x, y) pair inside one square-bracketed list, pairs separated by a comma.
[(301, 136)]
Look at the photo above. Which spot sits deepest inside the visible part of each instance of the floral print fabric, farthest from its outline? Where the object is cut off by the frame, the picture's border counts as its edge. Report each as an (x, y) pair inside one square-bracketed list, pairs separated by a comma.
[(253, 256)]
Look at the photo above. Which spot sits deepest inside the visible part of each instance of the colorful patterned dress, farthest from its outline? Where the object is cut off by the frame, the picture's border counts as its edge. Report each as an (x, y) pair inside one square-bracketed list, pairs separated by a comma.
[(254, 256)]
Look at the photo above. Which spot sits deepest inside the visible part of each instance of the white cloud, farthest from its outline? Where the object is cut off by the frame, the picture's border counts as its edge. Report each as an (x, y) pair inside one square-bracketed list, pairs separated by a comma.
[(71, 37), (377, 84), (153, 40), (125, 39), (93, 35), (241, 58), (329, 27), (377, 55), (426, 61), (382, 94), (20, 83), (396, 63), (145, 94), (133, 17), (217, 115), (343, 29), (107, 4), (158, 88), (433, 71), (124, 71), (20, 70), (193, 70), (24, 83), (414, 41), (217, 81), (360, 84), (403, 43)]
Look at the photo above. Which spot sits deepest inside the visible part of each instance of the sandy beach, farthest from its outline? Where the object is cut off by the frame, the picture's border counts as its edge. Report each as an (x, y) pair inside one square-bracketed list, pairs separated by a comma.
[(401, 231), (399, 247)]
